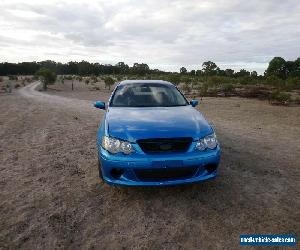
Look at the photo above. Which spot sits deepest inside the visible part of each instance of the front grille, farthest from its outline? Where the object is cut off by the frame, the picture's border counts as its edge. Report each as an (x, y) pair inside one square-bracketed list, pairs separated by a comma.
[(165, 144), (161, 174)]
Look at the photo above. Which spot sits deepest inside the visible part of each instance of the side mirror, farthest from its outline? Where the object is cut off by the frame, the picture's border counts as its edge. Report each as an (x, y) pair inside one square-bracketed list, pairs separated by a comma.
[(99, 105), (194, 103)]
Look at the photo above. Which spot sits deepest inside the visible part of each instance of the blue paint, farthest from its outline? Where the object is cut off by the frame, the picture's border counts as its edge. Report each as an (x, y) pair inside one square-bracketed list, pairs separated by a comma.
[(99, 105), (194, 103)]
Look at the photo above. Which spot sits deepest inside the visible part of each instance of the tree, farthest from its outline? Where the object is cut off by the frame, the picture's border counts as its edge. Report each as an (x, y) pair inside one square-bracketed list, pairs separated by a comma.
[(229, 72), (199, 72), (140, 68), (84, 68), (47, 76), (174, 78), (220, 72), (296, 68), (122, 67), (277, 67), (183, 70), (108, 82), (209, 68), (193, 72), (242, 73), (291, 68), (253, 74)]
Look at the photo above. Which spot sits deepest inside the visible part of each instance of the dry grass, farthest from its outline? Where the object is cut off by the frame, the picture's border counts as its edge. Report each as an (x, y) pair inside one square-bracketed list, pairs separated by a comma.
[(51, 196)]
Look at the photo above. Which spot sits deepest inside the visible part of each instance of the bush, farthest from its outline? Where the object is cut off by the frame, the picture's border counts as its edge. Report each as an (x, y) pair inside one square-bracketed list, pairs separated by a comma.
[(28, 79), (47, 76), (68, 77), (203, 89), (186, 88), (87, 81), (292, 83), (174, 78), (219, 80), (246, 80), (35, 77), (212, 92), (297, 100), (1, 79), (17, 85), (253, 91), (187, 80), (93, 78), (108, 82), (278, 97), (274, 81), (227, 89), (11, 77)]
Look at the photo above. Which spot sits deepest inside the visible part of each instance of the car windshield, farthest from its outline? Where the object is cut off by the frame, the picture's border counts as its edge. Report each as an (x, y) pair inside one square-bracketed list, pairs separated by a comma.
[(147, 95)]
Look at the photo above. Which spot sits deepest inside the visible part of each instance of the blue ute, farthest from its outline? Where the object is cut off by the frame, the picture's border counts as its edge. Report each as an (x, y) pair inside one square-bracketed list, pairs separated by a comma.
[(152, 136)]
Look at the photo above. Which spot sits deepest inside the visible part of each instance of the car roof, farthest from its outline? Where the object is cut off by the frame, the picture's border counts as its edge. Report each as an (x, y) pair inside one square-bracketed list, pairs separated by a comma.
[(125, 82)]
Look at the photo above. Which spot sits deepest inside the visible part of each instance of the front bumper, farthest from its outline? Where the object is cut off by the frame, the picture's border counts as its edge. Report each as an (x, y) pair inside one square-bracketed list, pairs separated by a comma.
[(123, 170)]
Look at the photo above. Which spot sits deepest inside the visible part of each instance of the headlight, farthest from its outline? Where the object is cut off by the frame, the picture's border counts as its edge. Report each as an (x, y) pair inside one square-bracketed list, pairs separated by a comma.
[(114, 146), (209, 141)]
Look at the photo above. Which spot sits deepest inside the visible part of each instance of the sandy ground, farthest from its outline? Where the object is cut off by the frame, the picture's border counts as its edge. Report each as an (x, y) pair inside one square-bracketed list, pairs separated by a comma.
[(51, 196)]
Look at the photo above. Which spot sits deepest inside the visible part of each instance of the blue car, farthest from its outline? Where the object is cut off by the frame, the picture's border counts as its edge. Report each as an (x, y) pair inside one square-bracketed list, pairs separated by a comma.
[(152, 136)]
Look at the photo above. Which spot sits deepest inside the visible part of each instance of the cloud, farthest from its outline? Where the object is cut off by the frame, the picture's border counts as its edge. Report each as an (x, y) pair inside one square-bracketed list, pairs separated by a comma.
[(164, 34)]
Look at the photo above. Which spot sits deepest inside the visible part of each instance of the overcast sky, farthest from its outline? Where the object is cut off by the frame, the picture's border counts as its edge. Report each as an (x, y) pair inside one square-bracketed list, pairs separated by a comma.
[(166, 34)]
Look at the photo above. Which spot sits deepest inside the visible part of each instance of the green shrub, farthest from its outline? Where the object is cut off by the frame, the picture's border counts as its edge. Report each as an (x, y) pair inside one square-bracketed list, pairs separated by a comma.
[(47, 76), (280, 97), (212, 92), (227, 88), (28, 79), (186, 88), (186, 80), (12, 77), (68, 77), (297, 100), (246, 80), (218, 80), (93, 78), (109, 82), (79, 78), (292, 83), (173, 78), (8, 87), (203, 89), (274, 81)]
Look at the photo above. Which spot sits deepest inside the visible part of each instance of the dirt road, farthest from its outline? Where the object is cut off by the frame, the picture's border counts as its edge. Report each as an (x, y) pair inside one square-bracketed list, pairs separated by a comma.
[(51, 196)]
